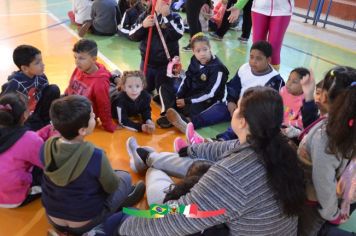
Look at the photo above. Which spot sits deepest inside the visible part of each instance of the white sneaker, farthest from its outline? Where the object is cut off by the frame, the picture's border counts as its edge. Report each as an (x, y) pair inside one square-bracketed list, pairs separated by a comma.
[(136, 163)]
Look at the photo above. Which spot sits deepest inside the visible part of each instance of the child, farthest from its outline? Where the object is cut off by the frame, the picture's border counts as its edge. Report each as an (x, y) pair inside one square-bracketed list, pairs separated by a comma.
[(216, 19), (130, 17), (292, 95), (205, 14), (318, 98), (202, 91), (172, 29), (80, 13), (133, 101), (325, 152), (20, 167), (80, 188), (103, 19), (257, 72), (91, 80), (31, 81)]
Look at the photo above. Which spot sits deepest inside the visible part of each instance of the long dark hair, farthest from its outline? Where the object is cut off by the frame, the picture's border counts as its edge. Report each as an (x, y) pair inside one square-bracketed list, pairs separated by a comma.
[(341, 123), (12, 108), (263, 110)]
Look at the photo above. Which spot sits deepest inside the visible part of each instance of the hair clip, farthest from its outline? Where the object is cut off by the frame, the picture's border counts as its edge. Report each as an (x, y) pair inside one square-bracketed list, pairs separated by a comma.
[(200, 34), (332, 73), (6, 107), (353, 84), (351, 122)]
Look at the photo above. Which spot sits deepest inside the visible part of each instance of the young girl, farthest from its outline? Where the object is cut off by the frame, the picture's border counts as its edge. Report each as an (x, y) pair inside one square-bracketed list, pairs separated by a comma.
[(327, 149), (171, 25), (133, 101), (257, 180), (202, 89), (20, 166)]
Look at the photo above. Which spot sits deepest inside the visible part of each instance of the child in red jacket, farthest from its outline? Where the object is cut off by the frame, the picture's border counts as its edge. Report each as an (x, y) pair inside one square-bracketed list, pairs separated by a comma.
[(91, 79)]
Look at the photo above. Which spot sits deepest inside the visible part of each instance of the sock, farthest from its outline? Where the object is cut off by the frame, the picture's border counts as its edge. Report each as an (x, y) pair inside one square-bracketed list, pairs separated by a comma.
[(143, 154)]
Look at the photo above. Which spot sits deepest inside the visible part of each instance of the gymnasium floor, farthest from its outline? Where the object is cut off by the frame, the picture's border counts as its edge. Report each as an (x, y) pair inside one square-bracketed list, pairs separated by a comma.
[(44, 24)]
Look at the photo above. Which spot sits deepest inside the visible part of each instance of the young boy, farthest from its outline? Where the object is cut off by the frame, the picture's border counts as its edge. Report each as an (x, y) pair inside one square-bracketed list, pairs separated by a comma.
[(103, 19), (91, 80), (171, 25), (31, 81), (80, 189)]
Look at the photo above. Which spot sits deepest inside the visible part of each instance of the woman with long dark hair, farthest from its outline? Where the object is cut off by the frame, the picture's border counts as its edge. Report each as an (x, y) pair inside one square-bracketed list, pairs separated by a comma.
[(256, 180)]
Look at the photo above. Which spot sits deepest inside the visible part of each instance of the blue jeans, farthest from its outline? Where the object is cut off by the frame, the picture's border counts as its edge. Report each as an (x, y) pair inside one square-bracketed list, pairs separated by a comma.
[(229, 134)]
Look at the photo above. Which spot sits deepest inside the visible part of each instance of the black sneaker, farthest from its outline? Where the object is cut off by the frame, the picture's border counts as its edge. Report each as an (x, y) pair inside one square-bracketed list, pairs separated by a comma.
[(187, 48), (163, 122), (215, 36), (138, 190)]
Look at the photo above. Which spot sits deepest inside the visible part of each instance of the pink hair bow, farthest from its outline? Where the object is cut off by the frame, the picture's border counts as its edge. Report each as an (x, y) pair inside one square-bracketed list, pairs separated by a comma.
[(6, 107)]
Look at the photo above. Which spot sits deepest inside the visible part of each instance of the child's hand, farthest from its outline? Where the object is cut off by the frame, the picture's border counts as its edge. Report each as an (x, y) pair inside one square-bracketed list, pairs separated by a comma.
[(148, 22), (231, 106), (235, 12), (308, 86), (180, 103)]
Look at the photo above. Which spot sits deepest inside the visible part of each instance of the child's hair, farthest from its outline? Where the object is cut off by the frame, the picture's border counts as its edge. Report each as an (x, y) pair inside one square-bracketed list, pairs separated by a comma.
[(69, 114), (132, 73), (199, 37), (87, 46), (133, 2), (264, 47), (194, 173), (341, 123), (262, 108), (23, 55), (301, 71), (12, 108), (319, 85)]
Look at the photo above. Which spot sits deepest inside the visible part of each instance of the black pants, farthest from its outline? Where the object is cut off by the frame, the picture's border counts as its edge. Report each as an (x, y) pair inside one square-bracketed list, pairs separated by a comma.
[(167, 93), (40, 117), (247, 20), (37, 174), (193, 10), (225, 24)]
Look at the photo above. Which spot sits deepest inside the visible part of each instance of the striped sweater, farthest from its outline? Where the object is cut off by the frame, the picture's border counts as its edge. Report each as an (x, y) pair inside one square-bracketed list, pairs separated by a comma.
[(238, 183)]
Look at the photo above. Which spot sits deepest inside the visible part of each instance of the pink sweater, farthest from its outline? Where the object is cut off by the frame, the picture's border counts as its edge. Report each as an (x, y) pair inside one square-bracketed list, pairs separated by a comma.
[(16, 165), (292, 108)]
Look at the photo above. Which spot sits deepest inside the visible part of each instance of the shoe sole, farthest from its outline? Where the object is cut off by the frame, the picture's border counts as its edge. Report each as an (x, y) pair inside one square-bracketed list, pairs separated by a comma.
[(176, 120), (174, 145)]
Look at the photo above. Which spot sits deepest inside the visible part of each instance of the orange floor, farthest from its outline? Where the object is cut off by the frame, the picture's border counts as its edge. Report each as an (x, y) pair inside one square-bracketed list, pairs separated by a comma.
[(30, 220)]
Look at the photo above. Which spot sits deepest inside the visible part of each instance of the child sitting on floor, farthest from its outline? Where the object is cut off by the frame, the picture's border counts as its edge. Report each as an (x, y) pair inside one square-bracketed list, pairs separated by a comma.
[(130, 16), (31, 81), (91, 79), (80, 12), (80, 188), (20, 166), (133, 101), (202, 92)]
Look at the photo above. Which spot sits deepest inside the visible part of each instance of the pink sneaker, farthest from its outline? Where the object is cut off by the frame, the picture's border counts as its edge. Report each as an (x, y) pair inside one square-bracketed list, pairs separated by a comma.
[(192, 136), (179, 143)]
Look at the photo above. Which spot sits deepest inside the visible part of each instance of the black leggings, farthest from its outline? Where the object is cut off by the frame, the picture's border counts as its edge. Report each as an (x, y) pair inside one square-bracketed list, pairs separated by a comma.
[(192, 8), (247, 20)]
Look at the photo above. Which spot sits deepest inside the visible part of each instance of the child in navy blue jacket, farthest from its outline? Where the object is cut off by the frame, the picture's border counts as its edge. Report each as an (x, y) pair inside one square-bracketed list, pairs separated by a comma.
[(171, 25), (202, 89), (131, 101), (130, 16)]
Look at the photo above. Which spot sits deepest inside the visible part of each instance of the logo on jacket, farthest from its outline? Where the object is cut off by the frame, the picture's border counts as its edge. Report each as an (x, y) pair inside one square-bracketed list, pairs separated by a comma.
[(203, 77)]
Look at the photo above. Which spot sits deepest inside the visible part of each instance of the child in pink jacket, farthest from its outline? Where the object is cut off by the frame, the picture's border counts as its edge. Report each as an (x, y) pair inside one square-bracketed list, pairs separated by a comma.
[(20, 166)]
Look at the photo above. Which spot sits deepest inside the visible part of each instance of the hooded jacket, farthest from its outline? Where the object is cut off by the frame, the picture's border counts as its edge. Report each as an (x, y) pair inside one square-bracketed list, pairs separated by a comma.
[(95, 87), (19, 152), (77, 179)]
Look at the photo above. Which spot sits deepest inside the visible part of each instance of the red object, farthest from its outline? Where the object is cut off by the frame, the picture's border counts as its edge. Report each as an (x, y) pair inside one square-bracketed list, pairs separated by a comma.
[(148, 47)]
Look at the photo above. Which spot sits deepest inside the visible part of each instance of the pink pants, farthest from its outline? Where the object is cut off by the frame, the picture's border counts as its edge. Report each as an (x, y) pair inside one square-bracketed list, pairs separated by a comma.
[(275, 27)]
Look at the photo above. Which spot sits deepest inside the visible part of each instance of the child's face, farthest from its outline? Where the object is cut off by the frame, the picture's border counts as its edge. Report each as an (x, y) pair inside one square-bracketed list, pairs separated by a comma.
[(201, 51), (133, 87), (36, 67), (84, 61), (258, 61), (293, 84), (320, 100)]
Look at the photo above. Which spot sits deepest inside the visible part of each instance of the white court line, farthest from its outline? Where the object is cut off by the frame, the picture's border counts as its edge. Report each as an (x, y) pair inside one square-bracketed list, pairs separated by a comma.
[(107, 61)]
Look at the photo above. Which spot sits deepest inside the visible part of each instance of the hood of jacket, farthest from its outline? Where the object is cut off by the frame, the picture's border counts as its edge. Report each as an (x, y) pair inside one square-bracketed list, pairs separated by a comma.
[(64, 162)]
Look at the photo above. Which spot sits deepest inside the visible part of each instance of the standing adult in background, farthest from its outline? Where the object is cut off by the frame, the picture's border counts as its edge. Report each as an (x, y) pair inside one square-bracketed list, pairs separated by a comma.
[(246, 23), (269, 18), (192, 8)]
